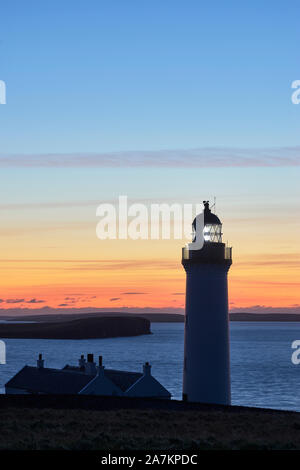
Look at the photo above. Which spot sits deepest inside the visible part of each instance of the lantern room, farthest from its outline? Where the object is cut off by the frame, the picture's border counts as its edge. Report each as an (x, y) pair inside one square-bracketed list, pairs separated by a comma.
[(212, 226)]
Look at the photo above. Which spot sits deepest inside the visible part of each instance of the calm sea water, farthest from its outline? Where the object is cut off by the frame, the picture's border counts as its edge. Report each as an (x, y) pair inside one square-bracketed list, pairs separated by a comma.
[(261, 368)]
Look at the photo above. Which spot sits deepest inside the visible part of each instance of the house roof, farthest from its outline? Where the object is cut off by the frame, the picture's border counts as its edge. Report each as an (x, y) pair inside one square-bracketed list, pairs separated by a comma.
[(123, 379), (69, 380), (149, 386), (44, 380)]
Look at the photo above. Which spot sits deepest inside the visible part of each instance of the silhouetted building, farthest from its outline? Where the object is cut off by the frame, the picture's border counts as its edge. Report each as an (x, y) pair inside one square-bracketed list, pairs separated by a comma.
[(87, 378), (206, 374)]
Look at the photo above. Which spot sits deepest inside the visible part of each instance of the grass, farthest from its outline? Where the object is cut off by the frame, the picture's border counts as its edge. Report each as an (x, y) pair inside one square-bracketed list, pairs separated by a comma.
[(69, 429)]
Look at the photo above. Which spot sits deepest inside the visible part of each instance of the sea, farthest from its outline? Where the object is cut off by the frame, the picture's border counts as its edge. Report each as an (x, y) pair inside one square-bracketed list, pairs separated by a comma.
[(262, 372)]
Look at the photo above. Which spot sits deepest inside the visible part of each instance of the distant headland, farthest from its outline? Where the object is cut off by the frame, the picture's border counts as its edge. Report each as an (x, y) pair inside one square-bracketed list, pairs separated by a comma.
[(114, 322), (80, 328)]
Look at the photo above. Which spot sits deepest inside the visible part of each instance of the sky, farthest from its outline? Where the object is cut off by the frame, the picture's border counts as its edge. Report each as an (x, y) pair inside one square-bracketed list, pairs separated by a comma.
[(174, 101)]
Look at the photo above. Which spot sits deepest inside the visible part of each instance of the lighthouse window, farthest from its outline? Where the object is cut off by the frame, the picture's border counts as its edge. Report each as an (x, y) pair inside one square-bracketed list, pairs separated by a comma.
[(213, 233)]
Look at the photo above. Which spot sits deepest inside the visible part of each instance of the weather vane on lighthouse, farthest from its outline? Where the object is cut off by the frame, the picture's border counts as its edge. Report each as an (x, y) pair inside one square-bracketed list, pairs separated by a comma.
[(206, 374)]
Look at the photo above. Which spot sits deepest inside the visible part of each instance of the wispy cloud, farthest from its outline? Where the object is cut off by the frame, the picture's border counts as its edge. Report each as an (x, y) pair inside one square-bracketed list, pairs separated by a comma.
[(291, 260), (19, 301), (72, 300), (35, 301), (16, 231), (112, 310), (195, 158), (47, 205), (134, 293), (143, 310), (123, 264), (90, 265), (113, 299), (266, 309)]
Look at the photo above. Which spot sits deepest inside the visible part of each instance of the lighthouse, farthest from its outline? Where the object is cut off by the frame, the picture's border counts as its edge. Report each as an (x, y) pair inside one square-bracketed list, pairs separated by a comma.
[(206, 370)]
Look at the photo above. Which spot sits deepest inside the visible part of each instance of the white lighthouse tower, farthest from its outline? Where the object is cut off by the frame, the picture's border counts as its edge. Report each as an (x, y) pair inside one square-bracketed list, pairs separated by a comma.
[(206, 374)]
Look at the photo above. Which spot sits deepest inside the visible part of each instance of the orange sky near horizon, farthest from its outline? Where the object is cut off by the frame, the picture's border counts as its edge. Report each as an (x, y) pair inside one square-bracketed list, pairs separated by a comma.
[(150, 281), (51, 256)]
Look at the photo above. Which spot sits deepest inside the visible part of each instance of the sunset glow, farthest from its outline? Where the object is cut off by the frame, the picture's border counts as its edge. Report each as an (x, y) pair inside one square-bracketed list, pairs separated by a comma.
[(52, 257)]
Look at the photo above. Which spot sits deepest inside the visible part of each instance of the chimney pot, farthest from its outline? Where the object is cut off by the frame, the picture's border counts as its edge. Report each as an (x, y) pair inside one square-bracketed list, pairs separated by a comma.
[(40, 361), (90, 366), (82, 362), (147, 368)]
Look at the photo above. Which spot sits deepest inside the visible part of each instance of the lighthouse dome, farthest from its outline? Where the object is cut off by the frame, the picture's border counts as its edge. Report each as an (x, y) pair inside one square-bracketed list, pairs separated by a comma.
[(212, 225), (209, 217)]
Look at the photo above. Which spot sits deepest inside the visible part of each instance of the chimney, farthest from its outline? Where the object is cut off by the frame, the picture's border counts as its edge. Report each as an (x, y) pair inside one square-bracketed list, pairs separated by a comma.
[(90, 357), (40, 362), (147, 368), (82, 362), (100, 366), (90, 366)]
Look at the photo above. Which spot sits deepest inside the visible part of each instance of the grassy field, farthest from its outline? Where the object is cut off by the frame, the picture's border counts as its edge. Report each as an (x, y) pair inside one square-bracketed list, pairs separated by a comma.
[(148, 429)]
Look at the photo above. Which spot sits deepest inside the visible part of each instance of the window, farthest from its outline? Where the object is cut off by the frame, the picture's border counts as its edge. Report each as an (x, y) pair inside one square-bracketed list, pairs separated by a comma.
[(213, 233)]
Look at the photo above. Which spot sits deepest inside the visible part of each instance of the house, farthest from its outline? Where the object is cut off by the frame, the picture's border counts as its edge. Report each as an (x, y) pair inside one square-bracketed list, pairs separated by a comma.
[(86, 379)]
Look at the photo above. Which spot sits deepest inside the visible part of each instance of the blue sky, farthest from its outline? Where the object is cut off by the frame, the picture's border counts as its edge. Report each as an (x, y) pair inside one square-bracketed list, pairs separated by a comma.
[(101, 76)]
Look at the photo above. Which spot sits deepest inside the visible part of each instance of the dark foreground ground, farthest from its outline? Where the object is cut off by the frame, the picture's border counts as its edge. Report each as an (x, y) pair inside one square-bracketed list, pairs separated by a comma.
[(110, 423)]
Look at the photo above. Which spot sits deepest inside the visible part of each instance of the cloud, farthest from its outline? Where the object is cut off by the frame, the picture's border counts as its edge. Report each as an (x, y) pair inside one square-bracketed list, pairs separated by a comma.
[(95, 265), (134, 293), (266, 309), (91, 265), (35, 301), (14, 301), (291, 260), (178, 293), (47, 205), (1, 300), (287, 263), (193, 158), (17, 206), (16, 231), (63, 305), (113, 299), (142, 310), (113, 310)]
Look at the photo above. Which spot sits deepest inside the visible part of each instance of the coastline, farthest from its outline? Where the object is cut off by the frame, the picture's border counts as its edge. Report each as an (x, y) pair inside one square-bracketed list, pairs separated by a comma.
[(82, 328), (152, 317)]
